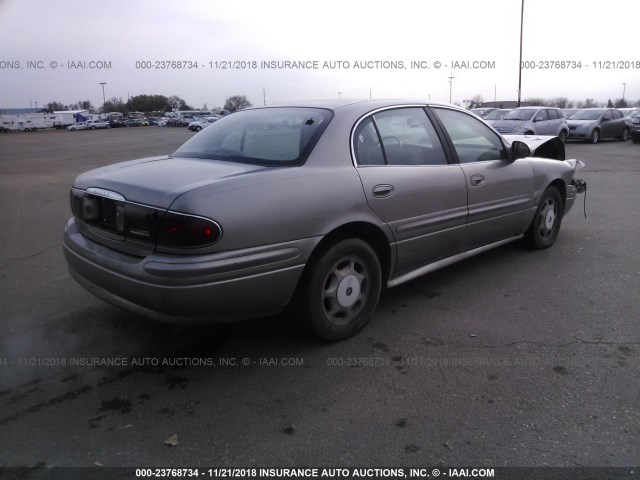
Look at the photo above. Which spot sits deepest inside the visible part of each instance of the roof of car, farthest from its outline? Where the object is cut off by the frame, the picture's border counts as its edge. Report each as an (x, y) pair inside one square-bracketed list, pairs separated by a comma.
[(342, 103)]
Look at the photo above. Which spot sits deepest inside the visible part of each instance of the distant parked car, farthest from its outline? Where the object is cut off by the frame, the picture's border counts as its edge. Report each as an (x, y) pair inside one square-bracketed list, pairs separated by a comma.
[(481, 112), (93, 124), (534, 121), (595, 124), (78, 126), (198, 125), (178, 122), (567, 112), (116, 123), (495, 115), (634, 128), (632, 112), (143, 122), (130, 122)]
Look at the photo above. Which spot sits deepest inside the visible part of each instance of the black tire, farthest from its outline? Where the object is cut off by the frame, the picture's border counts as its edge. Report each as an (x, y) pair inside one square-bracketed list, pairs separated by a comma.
[(595, 136), (93, 127), (625, 135), (545, 226), (563, 136), (341, 289), (198, 128), (635, 139)]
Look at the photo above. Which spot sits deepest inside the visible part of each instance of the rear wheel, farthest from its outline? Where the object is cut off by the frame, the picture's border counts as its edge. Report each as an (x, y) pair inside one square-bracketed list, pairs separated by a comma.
[(544, 228), (342, 289), (563, 136)]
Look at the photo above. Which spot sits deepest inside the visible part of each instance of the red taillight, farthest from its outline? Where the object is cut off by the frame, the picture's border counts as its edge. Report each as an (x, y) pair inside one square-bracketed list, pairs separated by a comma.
[(187, 231)]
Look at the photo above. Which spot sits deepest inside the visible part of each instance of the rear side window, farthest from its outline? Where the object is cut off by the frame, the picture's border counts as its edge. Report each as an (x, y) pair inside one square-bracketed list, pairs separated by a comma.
[(269, 136)]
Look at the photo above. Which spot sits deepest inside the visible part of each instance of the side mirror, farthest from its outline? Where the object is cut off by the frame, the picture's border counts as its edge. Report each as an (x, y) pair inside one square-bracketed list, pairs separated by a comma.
[(538, 119), (520, 150), (605, 119)]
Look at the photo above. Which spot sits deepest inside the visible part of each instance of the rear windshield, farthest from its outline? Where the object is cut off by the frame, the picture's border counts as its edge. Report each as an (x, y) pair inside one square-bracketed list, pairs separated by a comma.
[(276, 136), (586, 115)]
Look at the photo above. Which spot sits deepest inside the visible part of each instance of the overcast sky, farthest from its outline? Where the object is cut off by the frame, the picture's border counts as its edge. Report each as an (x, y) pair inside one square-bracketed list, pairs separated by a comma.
[(376, 34)]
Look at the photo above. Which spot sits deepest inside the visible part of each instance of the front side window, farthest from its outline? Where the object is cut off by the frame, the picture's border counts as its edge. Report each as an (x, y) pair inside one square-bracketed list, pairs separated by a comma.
[(553, 114), (402, 136), (472, 139), (268, 136), (541, 115)]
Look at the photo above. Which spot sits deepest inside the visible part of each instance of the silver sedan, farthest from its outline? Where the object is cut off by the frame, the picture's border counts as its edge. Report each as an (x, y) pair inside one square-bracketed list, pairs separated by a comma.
[(313, 209)]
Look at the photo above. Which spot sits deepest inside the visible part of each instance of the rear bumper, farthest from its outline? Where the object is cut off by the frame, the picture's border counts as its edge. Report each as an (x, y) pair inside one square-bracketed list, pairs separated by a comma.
[(226, 286)]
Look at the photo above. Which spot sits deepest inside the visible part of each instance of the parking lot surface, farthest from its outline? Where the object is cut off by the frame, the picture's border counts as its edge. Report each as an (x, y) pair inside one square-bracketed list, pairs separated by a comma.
[(511, 358)]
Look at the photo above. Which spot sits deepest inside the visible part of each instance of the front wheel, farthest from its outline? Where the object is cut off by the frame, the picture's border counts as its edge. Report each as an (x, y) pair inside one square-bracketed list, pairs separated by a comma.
[(544, 228), (625, 135), (595, 136), (342, 289)]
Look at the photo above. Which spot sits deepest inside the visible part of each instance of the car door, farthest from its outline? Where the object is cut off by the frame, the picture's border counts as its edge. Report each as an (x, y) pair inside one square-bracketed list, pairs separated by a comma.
[(619, 123), (542, 124), (500, 191), (555, 121), (608, 126), (410, 185)]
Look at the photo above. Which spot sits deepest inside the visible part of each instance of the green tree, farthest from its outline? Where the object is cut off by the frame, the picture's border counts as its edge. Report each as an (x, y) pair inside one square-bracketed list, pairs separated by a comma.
[(176, 102), (55, 106), (115, 105), (237, 102), (81, 105), (148, 103), (621, 103)]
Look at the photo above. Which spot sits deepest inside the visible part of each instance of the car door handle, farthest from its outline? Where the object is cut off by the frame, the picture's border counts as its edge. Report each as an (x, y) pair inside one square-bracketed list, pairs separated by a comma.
[(382, 191), (476, 180)]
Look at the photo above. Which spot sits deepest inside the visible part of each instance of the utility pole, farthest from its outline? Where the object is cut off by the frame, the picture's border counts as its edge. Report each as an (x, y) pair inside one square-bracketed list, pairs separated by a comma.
[(520, 64), (104, 100), (450, 85)]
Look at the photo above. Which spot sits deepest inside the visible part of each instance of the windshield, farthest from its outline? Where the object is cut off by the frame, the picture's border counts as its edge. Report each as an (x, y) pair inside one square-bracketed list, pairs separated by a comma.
[(495, 115), (267, 136), (524, 114), (587, 115)]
